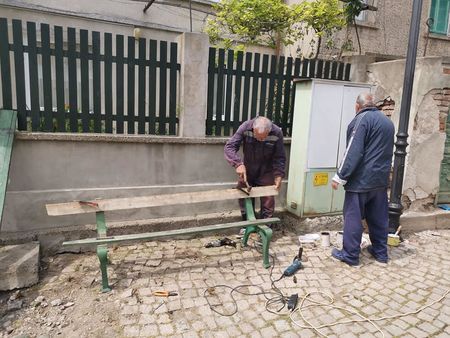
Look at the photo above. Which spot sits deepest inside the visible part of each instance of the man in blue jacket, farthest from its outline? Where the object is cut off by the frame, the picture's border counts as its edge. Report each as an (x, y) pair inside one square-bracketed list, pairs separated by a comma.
[(264, 158), (364, 173)]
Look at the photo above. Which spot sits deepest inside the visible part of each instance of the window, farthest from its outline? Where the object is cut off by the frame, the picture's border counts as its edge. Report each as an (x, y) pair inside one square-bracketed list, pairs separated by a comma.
[(440, 13)]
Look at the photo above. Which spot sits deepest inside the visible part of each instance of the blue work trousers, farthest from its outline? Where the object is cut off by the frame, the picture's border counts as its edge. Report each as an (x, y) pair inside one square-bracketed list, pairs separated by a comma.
[(373, 207)]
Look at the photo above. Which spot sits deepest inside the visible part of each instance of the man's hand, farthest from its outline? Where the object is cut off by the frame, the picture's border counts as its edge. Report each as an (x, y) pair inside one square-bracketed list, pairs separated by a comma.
[(242, 172), (334, 185), (277, 182)]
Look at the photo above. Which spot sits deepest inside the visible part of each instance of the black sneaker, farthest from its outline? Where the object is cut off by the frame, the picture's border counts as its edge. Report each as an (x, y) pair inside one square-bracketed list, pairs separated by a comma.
[(378, 259)]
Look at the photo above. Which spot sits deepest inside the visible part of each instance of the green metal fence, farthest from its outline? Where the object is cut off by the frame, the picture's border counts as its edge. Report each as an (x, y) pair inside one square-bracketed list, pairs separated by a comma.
[(242, 86), (69, 80)]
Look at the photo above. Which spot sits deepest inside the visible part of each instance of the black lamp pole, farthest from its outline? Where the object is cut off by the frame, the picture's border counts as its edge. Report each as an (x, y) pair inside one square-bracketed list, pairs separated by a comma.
[(395, 203)]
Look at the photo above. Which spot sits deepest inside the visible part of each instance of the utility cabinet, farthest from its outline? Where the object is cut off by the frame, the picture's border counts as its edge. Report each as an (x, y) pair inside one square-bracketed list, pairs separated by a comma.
[(322, 111)]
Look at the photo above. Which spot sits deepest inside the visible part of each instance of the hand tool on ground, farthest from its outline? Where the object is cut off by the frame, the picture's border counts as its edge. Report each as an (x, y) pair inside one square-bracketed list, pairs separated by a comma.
[(164, 293), (394, 239), (296, 264)]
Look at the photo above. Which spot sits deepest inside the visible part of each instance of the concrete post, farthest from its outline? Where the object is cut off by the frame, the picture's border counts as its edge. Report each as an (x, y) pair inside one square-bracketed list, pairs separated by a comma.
[(193, 83)]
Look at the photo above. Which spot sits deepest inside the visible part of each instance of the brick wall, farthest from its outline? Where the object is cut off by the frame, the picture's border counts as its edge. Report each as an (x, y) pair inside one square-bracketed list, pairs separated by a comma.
[(442, 98)]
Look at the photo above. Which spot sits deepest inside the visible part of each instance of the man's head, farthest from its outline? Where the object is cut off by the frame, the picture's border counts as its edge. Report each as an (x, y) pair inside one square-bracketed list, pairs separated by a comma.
[(364, 100), (261, 128)]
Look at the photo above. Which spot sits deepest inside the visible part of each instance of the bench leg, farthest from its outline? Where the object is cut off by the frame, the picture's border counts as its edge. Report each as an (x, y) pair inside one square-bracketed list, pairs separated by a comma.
[(102, 253), (102, 250), (264, 231)]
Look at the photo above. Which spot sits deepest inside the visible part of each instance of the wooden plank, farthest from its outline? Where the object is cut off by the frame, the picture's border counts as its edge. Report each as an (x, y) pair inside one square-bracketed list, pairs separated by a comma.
[(130, 85), (287, 94), (229, 90), (305, 66), (263, 93), (108, 84), (8, 119), (255, 86), (210, 98), (59, 77), (153, 49), (312, 69), (319, 69), (47, 77), (237, 91), (279, 96), (34, 80), (72, 63), (84, 63), (247, 77), (72, 208), (272, 83), (340, 74), (326, 74), (141, 85), (347, 72), (173, 89), (219, 95), (334, 70), (5, 65), (96, 82), (172, 233), (162, 87), (119, 84)]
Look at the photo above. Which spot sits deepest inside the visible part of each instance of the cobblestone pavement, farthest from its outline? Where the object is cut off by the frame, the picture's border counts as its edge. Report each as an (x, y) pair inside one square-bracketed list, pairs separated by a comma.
[(417, 274)]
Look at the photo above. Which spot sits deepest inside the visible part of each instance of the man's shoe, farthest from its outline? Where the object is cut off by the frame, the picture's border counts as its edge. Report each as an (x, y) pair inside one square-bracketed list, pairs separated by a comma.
[(340, 256), (378, 259)]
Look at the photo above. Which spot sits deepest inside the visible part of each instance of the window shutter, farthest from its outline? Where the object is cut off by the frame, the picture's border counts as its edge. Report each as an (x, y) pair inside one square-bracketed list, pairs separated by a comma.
[(440, 12)]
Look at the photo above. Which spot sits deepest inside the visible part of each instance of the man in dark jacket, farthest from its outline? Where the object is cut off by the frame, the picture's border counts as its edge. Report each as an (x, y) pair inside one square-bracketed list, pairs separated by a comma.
[(264, 158), (364, 173)]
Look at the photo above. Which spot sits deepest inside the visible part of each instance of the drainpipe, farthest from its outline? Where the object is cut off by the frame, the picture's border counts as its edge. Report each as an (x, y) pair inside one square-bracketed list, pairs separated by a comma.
[(395, 203)]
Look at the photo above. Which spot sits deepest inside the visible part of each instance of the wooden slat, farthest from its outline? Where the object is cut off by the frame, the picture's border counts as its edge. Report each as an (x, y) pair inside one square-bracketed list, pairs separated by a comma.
[(172, 233), (287, 93), (8, 119), (72, 63), (272, 83), (173, 89), (319, 73), (96, 82), (119, 84), (72, 208), (34, 80), (5, 65), (340, 74), (334, 70), (130, 85), (279, 96), (47, 77), (84, 63), (326, 74), (237, 91), (347, 72), (108, 83), (246, 93), (312, 69), (141, 85), (59, 77), (153, 47), (255, 85), (219, 94), (229, 91), (263, 92), (162, 87), (210, 98), (305, 66)]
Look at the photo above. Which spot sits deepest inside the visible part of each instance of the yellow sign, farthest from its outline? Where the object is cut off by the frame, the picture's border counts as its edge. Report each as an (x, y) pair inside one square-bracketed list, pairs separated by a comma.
[(320, 179)]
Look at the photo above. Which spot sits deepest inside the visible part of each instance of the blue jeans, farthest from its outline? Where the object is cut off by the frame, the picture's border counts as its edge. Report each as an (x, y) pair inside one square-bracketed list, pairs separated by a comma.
[(372, 206)]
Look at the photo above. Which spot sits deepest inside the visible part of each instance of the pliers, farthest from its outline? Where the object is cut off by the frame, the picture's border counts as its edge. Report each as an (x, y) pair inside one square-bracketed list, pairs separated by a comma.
[(164, 293)]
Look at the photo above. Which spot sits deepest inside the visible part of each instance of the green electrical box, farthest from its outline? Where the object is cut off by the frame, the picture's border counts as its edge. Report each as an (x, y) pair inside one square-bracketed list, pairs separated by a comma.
[(322, 111)]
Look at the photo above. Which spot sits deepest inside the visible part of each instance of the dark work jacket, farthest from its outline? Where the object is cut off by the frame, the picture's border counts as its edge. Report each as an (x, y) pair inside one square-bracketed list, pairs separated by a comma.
[(260, 158), (367, 161)]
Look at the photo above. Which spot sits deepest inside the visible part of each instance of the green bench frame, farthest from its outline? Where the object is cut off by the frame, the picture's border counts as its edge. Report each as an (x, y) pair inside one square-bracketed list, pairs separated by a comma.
[(251, 225)]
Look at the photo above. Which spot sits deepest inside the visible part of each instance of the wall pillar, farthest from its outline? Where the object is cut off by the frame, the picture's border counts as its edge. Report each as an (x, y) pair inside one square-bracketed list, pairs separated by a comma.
[(193, 84)]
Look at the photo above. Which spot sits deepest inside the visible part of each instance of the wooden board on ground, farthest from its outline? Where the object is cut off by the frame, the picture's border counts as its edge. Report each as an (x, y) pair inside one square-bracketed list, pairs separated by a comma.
[(76, 207), (8, 119)]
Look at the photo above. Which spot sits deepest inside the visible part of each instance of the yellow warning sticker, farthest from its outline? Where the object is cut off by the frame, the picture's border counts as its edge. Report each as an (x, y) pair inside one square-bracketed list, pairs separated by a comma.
[(320, 179)]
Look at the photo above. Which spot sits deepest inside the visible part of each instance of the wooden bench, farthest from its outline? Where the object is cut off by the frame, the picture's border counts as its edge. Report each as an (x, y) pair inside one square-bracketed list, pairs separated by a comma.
[(99, 207)]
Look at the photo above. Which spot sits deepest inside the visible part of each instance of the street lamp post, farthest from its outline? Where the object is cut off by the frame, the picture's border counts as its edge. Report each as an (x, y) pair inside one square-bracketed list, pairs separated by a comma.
[(395, 203)]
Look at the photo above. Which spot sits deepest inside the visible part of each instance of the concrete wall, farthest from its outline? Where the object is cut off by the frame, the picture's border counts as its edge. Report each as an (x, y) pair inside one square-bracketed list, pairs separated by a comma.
[(383, 34), (51, 168), (426, 139)]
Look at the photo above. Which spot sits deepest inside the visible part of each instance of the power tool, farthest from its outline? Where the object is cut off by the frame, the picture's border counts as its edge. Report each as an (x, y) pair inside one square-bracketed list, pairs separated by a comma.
[(296, 264)]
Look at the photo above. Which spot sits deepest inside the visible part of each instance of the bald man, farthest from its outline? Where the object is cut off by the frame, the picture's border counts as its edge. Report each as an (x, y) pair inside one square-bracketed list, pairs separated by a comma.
[(364, 173), (264, 158)]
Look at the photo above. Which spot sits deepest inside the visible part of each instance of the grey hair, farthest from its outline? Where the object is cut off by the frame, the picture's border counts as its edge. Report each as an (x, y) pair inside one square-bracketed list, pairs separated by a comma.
[(262, 124), (365, 100)]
